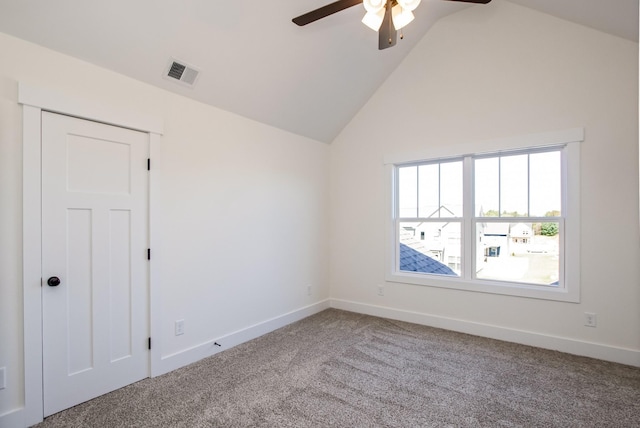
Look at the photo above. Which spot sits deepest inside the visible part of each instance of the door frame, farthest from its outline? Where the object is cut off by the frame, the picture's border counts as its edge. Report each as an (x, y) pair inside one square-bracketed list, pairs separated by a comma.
[(35, 100)]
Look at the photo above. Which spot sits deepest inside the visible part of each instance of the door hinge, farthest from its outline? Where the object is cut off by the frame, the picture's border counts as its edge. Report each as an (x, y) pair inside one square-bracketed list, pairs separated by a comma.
[(148, 164), (149, 343), (148, 253)]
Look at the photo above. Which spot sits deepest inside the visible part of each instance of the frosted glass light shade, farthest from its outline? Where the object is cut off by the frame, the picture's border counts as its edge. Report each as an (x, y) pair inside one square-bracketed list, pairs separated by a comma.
[(408, 4), (374, 20), (401, 17), (373, 6)]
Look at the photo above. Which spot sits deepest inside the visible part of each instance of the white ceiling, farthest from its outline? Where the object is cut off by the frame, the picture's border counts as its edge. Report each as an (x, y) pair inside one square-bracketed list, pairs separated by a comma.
[(255, 62)]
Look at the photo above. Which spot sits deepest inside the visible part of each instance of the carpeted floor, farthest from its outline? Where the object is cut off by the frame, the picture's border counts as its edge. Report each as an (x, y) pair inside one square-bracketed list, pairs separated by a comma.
[(340, 369)]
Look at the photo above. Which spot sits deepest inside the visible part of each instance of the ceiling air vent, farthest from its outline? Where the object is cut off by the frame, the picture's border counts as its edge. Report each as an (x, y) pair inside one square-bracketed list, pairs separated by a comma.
[(181, 72)]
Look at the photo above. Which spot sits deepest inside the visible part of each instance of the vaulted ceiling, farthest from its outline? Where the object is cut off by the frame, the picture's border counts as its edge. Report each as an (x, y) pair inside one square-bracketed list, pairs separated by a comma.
[(254, 61)]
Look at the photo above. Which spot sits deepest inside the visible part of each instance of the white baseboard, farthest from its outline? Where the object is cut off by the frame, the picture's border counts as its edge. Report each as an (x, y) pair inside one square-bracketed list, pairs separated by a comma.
[(571, 346), (206, 349), (13, 419)]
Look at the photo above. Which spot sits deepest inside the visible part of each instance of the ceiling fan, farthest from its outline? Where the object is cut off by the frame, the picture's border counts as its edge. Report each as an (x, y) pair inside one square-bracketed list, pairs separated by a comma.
[(384, 16)]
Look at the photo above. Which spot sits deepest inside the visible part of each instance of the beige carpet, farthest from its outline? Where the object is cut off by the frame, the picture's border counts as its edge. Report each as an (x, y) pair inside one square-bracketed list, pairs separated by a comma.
[(339, 369)]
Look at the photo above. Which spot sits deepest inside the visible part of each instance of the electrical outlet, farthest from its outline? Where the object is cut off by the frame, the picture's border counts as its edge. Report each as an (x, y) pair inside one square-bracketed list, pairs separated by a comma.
[(179, 327), (380, 290), (309, 290), (590, 319), (3, 378)]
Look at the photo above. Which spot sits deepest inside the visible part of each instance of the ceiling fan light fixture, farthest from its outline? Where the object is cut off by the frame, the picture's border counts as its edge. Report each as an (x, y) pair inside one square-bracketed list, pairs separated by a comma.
[(373, 6), (374, 20), (401, 17), (384, 16), (408, 4)]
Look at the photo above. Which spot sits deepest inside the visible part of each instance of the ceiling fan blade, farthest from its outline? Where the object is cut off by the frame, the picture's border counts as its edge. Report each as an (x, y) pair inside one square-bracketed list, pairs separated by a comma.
[(473, 1), (325, 11), (387, 34)]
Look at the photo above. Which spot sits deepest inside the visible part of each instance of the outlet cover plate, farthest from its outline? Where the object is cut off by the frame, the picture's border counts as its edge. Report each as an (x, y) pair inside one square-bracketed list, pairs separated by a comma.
[(179, 327)]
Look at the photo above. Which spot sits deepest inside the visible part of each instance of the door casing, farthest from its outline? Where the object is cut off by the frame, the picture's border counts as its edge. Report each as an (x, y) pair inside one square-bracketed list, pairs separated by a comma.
[(35, 100)]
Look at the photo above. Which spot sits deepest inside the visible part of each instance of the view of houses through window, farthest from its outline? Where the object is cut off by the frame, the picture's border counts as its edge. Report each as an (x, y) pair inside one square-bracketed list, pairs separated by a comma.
[(516, 220)]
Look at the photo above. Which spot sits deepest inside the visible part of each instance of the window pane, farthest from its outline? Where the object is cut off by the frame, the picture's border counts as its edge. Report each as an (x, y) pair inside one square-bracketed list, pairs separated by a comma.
[(430, 247), (519, 252), (407, 191), (487, 187), (451, 189), (514, 189), (429, 185), (545, 184)]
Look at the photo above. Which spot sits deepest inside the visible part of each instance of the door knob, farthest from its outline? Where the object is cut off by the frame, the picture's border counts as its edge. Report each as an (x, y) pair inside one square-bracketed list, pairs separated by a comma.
[(54, 281)]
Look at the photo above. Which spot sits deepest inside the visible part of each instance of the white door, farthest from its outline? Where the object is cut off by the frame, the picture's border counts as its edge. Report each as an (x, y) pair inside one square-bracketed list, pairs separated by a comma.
[(94, 241)]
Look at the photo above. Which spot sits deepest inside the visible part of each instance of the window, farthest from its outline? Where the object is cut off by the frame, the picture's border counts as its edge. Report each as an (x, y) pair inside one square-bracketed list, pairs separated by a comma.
[(503, 221), (514, 196), (430, 206)]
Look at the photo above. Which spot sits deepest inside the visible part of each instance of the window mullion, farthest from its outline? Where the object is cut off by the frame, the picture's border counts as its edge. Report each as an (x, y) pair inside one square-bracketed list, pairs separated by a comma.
[(439, 191), (529, 184), (468, 203), (500, 186), (417, 191)]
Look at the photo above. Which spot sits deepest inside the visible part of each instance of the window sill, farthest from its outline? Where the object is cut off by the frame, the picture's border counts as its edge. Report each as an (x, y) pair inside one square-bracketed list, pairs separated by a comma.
[(562, 294)]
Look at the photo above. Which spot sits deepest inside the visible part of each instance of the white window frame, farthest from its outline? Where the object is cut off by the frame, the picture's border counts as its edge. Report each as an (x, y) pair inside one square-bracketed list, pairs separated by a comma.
[(569, 288)]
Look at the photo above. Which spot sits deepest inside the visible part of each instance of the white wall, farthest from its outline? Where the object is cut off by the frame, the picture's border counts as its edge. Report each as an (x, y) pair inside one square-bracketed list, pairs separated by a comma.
[(490, 72), (243, 210)]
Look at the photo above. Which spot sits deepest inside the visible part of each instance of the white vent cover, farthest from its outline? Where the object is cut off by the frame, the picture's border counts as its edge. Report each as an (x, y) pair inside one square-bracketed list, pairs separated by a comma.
[(181, 72)]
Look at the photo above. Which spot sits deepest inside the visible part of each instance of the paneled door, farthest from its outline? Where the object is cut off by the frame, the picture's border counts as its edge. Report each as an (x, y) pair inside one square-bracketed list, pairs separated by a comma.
[(95, 283)]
